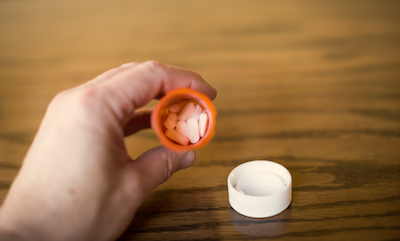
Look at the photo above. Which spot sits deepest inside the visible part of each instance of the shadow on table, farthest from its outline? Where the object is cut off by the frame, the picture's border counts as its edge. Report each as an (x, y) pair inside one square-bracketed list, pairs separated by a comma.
[(262, 227)]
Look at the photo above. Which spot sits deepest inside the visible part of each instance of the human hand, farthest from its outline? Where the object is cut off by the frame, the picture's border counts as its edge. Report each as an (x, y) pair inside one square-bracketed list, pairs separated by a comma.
[(77, 181)]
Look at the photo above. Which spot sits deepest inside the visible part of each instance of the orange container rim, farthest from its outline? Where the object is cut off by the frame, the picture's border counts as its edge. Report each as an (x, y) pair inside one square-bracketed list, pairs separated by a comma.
[(175, 96)]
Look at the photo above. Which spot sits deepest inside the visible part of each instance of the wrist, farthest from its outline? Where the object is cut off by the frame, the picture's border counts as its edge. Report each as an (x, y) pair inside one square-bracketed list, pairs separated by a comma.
[(9, 233), (13, 225)]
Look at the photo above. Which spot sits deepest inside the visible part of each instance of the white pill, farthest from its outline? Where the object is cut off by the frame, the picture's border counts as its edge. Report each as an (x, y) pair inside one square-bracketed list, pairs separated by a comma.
[(193, 130), (203, 122), (196, 113), (181, 127)]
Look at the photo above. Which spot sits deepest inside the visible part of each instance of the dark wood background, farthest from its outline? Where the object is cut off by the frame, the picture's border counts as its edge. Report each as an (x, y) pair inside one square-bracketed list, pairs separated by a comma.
[(312, 85)]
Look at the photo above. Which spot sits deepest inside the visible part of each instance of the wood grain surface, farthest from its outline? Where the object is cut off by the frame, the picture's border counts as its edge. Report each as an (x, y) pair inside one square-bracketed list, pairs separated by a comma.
[(312, 85)]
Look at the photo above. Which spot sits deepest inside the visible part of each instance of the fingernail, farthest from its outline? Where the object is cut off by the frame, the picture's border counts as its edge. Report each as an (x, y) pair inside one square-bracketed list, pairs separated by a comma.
[(188, 159)]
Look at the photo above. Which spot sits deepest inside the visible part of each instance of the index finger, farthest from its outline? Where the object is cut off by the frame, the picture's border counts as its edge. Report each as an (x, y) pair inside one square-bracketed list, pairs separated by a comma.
[(139, 85)]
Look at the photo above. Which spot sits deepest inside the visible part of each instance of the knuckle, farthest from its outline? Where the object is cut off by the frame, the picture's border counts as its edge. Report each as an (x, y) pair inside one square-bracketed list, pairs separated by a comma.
[(154, 66), (169, 165), (83, 99), (60, 99), (87, 97)]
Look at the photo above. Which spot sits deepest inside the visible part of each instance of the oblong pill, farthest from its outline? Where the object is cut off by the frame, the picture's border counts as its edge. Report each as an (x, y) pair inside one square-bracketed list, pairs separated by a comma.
[(186, 111), (177, 106), (173, 135), (196, 112), (181, 127), (193, 130), (170, 121), (203, 122)]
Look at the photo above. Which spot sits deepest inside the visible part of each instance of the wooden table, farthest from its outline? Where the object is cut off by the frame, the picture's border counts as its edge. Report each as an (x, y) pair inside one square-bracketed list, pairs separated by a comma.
[(312, 85)]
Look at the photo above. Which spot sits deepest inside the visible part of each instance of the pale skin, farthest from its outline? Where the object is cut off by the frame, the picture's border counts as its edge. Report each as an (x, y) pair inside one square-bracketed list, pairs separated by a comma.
[(77, 181)]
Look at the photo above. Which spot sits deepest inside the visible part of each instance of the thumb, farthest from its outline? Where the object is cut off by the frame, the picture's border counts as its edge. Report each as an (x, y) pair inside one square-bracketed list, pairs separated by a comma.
[(157, 165)]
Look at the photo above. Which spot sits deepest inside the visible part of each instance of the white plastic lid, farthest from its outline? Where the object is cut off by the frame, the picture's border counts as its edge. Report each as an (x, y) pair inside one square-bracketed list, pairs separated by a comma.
[(259, 188)]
